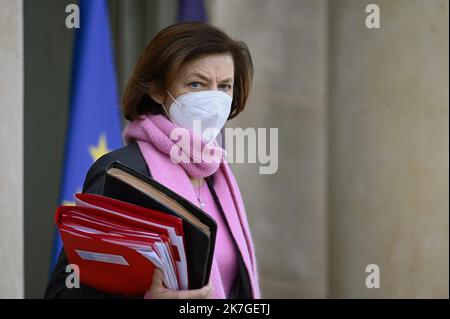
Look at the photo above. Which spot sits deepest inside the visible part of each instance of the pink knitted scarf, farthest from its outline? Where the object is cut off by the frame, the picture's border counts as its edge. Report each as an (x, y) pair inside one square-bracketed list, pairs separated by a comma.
[(153, 135)]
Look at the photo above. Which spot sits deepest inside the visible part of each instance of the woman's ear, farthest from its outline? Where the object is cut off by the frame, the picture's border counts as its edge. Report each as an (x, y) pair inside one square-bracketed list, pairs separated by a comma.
[(156, 91)]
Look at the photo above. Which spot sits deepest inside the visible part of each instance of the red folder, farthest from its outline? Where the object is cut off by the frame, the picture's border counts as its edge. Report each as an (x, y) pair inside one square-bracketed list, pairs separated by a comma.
[(170, 225), (115, 244)]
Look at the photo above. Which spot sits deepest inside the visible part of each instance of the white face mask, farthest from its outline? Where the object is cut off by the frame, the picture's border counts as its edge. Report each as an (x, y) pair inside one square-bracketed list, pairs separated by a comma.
[(209, 108)]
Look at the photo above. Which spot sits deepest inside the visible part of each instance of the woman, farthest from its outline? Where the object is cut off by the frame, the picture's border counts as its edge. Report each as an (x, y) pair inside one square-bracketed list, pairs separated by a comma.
[(190, 72)]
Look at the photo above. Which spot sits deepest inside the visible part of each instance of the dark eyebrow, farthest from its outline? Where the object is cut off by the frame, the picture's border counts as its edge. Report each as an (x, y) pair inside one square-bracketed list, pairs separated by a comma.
[(205, 78), (201, 76), (228, 80)]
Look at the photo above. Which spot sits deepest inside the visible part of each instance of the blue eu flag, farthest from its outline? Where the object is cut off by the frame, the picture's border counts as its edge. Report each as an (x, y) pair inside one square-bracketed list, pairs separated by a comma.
[(192, 10), (94, 120)]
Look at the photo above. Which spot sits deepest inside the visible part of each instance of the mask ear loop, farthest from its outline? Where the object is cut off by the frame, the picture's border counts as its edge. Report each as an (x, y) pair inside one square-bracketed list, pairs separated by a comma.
[(165, 109)]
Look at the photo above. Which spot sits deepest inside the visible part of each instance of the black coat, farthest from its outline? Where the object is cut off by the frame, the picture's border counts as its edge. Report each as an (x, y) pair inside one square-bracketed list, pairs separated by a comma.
[(131, 156)]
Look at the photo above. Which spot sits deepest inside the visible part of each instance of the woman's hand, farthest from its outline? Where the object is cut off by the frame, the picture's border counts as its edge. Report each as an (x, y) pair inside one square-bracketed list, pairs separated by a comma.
[(158, 291)]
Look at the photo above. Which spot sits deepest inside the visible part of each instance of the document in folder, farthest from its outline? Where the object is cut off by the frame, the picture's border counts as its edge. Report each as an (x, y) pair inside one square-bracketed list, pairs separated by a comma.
[(138, 224)]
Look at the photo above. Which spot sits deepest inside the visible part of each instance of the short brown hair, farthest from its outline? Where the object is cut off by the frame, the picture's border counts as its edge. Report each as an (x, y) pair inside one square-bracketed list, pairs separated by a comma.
[(168, 50)]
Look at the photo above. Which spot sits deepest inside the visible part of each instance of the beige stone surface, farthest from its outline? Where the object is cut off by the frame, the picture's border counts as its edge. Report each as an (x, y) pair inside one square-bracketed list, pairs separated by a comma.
[(388, 142), (11, 150), (363, 145)]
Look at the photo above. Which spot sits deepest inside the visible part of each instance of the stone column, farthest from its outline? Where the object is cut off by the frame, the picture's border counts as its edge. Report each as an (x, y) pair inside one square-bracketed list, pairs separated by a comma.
[(388, 158), (11, 149)]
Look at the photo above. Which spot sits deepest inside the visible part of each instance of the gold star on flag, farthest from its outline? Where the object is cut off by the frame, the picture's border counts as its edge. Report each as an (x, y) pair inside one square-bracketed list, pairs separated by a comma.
[(99, 150), (68, 203)]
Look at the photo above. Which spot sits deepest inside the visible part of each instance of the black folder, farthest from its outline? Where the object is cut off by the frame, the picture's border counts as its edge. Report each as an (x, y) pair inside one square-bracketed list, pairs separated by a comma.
[(125, 184)]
